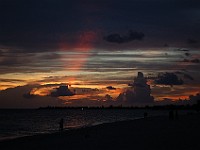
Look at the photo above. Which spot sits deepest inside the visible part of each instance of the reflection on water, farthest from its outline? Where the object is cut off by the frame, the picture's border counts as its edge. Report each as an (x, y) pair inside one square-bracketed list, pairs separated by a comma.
[(15, 123)]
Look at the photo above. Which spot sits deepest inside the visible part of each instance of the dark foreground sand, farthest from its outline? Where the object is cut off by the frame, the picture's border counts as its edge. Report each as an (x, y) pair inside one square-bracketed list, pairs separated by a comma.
[(156, 133)]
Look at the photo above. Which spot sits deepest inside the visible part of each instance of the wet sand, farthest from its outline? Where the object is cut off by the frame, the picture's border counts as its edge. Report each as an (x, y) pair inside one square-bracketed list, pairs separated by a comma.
[(156, 133)]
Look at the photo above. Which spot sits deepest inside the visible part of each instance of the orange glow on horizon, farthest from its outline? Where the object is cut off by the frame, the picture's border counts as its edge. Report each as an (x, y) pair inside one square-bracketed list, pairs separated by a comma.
[(183, 96)]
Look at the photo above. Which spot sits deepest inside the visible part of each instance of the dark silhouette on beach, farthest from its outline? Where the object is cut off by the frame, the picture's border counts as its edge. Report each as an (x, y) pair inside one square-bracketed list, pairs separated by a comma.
[(171, 115), (142, 134), (61, 123), (145, 114), (176, 115)]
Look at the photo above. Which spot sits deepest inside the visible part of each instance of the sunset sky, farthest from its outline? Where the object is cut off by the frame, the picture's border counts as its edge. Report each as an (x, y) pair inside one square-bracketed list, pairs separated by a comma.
[(96, 47)]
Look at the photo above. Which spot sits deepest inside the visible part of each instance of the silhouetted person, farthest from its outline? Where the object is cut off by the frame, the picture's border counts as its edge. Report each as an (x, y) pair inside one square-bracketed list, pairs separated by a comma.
[(145, 114), (171, 115), (176, 114), (61, 124)]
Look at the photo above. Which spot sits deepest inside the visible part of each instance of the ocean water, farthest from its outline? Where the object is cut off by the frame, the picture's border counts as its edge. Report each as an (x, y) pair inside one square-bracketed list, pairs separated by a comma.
[(17, 123)]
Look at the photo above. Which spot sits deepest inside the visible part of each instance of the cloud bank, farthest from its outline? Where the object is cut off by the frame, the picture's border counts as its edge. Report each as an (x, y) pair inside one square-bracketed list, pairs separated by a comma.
[(20, 97), (62, 91), (131, 36), (168, 79)]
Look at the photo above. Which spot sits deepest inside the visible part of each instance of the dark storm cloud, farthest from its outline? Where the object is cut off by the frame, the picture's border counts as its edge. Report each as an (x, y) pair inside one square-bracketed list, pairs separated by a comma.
[(186, 60), (194, 98), (185, 75), (28, 95), (182, 49), (168, 79), (195, 60), (20, 97), (192, 60), (166, 45), (40, 25), (187, 54), (51, 85), (62, 91), (37, 23), (192, 41), (139, 92), (131, 36), (110, 88)]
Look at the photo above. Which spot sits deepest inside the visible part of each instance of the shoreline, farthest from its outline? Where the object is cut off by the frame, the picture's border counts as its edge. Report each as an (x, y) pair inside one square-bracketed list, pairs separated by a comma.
[(67, 129), (152, 132)]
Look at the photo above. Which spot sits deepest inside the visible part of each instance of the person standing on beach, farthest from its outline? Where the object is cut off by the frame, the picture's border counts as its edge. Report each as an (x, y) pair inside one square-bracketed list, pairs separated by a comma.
[(145, 114), (171, 115), (176, 114), (61, 124)]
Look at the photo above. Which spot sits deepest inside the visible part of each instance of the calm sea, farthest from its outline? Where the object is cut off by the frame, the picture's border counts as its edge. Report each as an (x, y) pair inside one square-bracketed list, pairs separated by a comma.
[(17, 123)]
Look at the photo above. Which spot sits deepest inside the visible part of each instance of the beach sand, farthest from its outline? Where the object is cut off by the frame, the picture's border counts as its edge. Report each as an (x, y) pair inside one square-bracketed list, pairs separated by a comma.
[(153, 133)]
